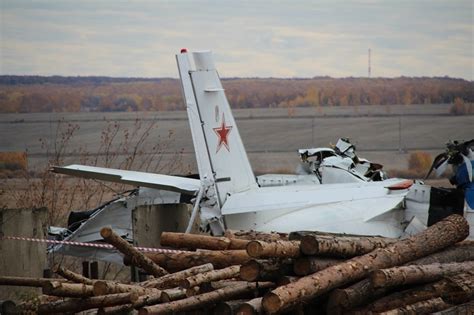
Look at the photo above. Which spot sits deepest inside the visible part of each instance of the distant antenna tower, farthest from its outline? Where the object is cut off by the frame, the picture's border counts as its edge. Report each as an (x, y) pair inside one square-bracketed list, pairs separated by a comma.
[(369, 64)]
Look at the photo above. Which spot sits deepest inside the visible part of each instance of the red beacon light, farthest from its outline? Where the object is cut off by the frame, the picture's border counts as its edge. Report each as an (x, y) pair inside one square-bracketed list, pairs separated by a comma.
[(184, 50)]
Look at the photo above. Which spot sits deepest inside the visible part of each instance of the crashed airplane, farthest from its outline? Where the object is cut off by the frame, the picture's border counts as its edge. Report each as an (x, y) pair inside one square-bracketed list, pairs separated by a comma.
[(337, 192)]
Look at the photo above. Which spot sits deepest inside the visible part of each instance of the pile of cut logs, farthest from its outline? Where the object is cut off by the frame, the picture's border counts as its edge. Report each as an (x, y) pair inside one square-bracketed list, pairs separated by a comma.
[(259, 273)]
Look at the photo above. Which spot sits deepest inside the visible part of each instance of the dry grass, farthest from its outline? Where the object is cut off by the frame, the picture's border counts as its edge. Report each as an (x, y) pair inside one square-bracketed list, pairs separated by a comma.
[(62, 194)]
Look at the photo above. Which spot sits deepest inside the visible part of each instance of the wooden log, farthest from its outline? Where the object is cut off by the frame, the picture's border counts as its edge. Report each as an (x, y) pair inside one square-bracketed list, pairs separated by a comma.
[(194, 291), (174, 279), (264, 270), (256, 236), (416, 273), (280, 249), (236, 243), (78, 305), (306, 265), (286, 280), (70, 275), (204, 299), (461, 309), (219, 259), (440, 235), (357, 294), (462, 288), (422, 307), (406, 297), (214, 275), (463, 251), (227, 307), (214, 285), (252, 307), (138, 257), (193, 241), (102, 287), (363, 292), (57, 288), (27, 281), (298, 235), (169, 295), (125, 309), (342, 247)]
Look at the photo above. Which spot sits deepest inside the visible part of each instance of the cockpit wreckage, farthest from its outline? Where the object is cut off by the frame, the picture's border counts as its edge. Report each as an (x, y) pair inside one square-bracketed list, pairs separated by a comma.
[(334, 190)]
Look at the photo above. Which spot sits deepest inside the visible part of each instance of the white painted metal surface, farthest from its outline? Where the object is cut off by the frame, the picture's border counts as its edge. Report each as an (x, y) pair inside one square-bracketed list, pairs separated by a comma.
[(157, 181)]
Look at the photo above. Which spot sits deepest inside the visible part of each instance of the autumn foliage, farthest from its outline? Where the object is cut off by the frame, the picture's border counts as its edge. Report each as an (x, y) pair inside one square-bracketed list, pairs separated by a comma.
[(13, 161), (419, 162), (74, 94)]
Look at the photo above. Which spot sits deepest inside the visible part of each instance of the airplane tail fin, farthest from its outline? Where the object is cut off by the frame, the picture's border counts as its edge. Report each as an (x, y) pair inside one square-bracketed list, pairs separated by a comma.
[(220, 153)]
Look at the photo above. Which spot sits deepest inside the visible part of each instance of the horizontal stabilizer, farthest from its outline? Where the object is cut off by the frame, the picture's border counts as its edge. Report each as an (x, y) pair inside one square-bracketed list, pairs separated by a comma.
[(157, 181)]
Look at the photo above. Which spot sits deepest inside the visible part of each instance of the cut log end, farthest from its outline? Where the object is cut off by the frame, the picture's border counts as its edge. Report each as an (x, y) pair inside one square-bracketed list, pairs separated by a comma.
[(254, 249), (378, 278), (309, 245), (250, 271), (100, 288), (106, 232), (246, 309), (271, 303)]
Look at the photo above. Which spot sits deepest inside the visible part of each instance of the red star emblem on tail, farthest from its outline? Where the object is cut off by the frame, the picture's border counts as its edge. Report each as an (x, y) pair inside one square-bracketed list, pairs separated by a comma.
[(222, 133)]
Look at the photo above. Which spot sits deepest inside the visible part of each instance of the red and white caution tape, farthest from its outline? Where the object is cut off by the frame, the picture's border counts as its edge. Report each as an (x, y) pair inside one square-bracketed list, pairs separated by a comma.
[(96, 245)]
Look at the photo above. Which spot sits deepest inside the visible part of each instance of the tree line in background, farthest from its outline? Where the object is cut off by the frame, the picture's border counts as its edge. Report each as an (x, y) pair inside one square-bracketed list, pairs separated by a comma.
[(104, 94)]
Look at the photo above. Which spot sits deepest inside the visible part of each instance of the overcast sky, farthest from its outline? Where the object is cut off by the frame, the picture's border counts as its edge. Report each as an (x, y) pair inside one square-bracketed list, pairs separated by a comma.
[(249, 38)]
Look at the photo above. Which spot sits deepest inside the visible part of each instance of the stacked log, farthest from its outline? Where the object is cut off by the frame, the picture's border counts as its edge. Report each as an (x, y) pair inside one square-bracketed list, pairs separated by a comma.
[(267, 273)]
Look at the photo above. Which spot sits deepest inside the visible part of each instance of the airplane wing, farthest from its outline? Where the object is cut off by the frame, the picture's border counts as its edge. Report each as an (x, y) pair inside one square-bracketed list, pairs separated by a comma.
[(165, 182)]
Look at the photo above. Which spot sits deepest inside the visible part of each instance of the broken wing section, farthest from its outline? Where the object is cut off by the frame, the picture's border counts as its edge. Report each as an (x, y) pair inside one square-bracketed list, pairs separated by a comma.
[(157, 181)]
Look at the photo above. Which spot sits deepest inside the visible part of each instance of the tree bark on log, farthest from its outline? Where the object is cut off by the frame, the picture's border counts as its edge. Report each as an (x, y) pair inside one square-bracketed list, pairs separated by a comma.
[(102, 287), (71, 276), (461, 309), (142, 301), (68, 289), (173, 280), (214, 275), (342, 247), (286, 280), (406, 297), (449, 231), (463, 251), (227, 307), (252, 307), (419, 308), (169, 295), (363, 292), (277, 249), (184, 260), (27, 281), (357, 294), (78, 305), (193, 241), (211, 286), (128, 250), (204, 299), (298, 235), (256, 236), (417, 273), (307, 265), (264, 270)]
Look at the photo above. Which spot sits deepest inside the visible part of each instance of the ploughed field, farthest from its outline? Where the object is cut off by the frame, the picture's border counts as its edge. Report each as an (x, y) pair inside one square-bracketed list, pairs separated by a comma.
[(385, 134)]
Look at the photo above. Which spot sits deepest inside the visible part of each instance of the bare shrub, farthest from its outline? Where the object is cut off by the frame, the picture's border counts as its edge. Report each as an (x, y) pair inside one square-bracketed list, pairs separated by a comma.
[(119, 147)]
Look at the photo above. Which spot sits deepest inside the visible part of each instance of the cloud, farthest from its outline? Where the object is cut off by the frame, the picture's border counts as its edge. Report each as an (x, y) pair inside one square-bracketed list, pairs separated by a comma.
[(250, 38)]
